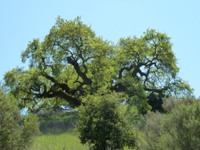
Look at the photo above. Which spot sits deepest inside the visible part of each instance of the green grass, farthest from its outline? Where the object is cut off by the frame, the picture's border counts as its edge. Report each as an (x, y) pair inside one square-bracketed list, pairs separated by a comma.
[(63, 141)]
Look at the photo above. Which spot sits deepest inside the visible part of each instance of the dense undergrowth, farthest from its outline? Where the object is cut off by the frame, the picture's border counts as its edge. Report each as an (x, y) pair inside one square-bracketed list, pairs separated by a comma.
[(175, 129)]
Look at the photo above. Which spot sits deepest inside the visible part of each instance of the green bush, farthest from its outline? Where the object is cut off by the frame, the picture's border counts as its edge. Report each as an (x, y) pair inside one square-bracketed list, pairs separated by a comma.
[(102, 123), (178, 129), (16, 131), (29, 128), (185, 130)]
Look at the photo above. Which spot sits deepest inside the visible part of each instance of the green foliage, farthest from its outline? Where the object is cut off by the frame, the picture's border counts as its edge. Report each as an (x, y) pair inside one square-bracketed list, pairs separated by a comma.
[(186, 129), (16, 131), (29, 128), (8, 122), (73, 66), (136, 94), (178, 129), (102, 123), (150, 60), (172, 102), (73, 62)]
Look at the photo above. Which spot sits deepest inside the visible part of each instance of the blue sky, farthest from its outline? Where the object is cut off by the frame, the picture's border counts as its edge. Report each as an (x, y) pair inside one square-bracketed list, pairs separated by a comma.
[(23, 20)]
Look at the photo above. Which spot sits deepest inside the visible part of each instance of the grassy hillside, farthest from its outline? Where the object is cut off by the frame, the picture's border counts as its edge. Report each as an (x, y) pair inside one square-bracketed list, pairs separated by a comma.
[(63, 141)]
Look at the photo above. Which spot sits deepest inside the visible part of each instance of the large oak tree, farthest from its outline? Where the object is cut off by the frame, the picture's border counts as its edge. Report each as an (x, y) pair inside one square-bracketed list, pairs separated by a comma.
[(72, 62)]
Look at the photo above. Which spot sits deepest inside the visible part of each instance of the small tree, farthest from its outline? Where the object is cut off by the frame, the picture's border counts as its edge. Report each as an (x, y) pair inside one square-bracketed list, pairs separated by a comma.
[(16, 131), (102, 123)]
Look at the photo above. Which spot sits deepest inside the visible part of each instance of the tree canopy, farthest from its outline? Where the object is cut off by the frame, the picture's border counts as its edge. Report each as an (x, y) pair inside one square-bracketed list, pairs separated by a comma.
[(72, 62)]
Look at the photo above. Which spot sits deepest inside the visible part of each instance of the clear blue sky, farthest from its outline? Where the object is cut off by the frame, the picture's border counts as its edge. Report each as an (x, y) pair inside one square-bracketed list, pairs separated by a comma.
[(23, 20)]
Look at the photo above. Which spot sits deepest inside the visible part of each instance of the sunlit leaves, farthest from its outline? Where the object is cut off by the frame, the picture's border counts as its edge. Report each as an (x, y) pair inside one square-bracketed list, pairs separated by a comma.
[(72, 62)]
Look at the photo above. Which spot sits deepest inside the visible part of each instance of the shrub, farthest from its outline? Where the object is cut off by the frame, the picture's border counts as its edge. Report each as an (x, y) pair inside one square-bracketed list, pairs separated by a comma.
[(29, 128), (185, 129), (178, 129), (102, 123), (172, 102), (16, 131)]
